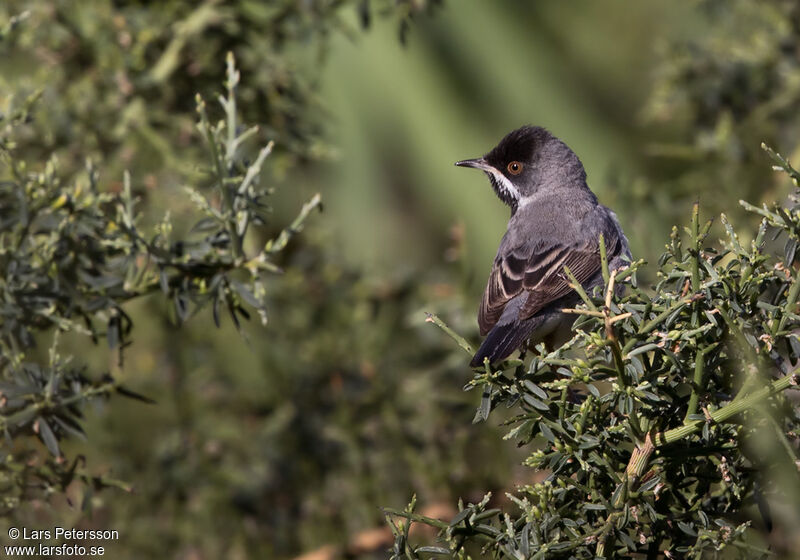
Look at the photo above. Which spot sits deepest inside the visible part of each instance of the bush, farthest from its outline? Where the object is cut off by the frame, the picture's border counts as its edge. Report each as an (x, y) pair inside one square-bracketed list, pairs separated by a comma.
[(75, 255), (664, 421)]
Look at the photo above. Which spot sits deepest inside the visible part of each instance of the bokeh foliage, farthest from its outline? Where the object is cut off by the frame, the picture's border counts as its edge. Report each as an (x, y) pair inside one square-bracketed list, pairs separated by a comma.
[(716, 96), (119, 80), (73, 256), (309, 408)]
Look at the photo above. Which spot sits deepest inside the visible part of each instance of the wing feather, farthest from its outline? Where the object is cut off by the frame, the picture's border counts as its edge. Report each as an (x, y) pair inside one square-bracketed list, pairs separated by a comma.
[(540, 274)]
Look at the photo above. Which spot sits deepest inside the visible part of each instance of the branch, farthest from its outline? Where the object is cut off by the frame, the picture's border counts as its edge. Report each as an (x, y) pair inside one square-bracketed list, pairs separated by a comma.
[(737, 406)]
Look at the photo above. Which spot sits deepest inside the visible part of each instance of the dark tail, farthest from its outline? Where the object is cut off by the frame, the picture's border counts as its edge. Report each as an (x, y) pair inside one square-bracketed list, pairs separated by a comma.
[(502, 341)]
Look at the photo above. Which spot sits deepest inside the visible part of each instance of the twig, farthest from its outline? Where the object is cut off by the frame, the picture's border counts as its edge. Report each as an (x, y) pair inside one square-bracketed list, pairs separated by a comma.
[(431, 318)]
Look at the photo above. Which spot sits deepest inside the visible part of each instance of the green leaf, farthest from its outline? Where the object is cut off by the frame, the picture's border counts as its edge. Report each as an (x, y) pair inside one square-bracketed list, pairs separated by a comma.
[(535, 403), (246, 294), (547, 432), (48, 437), (461, 516), (535, 389), (485, 407), (433, 550), (133, 395)]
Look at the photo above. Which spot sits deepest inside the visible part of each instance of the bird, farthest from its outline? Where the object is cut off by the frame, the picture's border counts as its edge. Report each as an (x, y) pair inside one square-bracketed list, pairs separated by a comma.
[(556, 221)]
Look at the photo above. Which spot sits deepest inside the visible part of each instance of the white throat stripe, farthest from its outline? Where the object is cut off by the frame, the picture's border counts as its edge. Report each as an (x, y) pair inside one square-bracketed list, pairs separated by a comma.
[(506, 185)]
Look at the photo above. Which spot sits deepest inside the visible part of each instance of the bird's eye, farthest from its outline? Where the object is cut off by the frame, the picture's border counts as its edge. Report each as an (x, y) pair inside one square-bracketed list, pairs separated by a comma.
[(515, 168)]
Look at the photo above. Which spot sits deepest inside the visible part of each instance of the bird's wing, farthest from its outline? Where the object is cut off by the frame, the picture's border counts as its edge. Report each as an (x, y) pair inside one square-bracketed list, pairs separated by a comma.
[(540, 273)]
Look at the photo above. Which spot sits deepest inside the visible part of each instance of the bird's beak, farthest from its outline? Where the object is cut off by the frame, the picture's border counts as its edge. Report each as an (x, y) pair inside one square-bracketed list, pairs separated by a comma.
[(477, 163)]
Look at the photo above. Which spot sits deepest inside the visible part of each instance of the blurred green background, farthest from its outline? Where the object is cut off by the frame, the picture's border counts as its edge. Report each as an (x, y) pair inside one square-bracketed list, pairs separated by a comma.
[(290, 440)]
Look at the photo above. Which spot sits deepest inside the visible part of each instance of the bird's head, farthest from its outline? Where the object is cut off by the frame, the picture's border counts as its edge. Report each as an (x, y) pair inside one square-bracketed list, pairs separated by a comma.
[(527, 161)]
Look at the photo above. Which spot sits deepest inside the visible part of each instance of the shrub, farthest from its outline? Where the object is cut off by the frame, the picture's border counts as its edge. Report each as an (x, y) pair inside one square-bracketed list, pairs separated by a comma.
[(74, 255), (664, 420)]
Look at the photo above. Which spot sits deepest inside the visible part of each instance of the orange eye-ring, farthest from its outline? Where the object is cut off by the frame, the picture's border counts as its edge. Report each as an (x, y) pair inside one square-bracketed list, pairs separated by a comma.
[(515, 168)]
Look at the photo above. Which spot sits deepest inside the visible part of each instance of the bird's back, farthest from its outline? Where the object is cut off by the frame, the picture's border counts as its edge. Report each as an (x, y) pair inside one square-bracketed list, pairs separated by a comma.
[(539, 232)]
